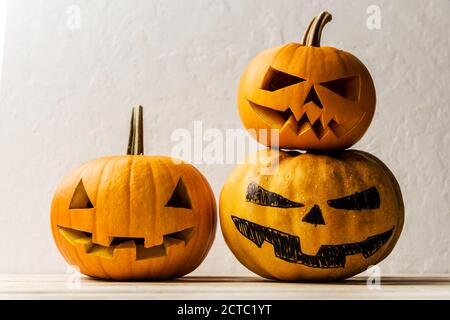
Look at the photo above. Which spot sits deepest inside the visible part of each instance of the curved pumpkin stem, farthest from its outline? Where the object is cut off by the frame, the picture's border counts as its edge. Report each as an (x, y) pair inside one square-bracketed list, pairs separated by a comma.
[(306, 34), (136, 139), (313, 32)]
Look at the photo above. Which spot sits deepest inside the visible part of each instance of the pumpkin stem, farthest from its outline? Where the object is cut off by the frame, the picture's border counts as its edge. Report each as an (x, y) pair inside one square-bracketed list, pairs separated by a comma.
[(313, 32), (306, 34), (136, 139)]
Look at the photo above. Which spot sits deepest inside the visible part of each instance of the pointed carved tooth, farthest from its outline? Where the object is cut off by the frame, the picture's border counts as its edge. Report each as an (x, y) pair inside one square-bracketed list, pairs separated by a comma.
[(326, 117), (305, 126), (313, 113), (323, 121), (297, 111), (319, 130), (308, 133), (291, 123), (126, 251)]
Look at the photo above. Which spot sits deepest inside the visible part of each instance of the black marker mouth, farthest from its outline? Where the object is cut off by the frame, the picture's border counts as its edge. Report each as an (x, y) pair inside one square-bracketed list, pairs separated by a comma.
[(287, 247)]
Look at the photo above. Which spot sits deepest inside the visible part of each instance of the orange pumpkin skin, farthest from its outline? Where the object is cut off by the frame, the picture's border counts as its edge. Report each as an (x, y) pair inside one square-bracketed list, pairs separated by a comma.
[(318, 98), (134, 217), (130, 199), (103, 202), (340, 213)]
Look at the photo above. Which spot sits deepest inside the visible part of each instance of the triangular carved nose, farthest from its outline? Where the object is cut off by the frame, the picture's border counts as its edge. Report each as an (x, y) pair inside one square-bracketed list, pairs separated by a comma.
[(312, 96), (314, 216)]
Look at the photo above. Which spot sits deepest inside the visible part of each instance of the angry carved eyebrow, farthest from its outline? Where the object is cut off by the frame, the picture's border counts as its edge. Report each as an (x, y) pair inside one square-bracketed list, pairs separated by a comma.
[(260, 196), (367, 199)]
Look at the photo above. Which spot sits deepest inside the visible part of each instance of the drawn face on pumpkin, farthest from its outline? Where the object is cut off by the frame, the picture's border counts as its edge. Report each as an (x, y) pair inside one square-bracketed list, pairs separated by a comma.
[(318, 218), (134, 217), (318, 98), (287, 246)]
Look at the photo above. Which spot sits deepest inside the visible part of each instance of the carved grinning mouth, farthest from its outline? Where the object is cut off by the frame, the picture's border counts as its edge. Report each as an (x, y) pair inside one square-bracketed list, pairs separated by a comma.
[(84, 240), (287, 247), (306, 121)]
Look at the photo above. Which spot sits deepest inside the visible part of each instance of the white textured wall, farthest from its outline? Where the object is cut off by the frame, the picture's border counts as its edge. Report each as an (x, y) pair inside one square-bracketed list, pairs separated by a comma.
[(66, 96)]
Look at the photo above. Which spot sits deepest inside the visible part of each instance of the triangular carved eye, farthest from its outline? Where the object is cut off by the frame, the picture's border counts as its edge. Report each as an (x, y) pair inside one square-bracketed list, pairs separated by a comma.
[(276, 80), (80, 199), (345, 87), (180, 197)]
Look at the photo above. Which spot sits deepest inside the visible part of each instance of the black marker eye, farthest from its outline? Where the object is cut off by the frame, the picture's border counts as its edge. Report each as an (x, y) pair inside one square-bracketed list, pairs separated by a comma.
[(368, 199), (263, 197), (276, 80)]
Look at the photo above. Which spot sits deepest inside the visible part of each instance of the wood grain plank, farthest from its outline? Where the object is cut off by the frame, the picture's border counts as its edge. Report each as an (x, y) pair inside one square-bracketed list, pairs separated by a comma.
[(20, 286)]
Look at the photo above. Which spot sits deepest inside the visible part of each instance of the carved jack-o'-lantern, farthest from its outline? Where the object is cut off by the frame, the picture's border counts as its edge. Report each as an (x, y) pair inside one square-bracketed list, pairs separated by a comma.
[(135, 216), (317, 218), (319, 98)]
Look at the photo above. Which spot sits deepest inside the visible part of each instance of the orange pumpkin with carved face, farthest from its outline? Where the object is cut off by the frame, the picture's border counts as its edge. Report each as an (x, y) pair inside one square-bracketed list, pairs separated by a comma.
[(134, 217), (318, 98)]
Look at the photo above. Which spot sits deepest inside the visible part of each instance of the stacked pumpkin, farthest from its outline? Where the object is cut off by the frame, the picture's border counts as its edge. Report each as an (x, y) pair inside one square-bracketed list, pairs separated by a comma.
[(324, 214)]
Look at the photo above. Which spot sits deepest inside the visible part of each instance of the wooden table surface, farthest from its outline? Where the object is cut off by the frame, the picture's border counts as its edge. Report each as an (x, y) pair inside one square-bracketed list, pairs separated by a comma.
[(19, 286)]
